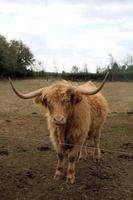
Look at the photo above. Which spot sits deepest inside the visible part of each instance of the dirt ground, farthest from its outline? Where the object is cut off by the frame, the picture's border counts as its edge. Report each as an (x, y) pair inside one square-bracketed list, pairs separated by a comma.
[(28, 160)]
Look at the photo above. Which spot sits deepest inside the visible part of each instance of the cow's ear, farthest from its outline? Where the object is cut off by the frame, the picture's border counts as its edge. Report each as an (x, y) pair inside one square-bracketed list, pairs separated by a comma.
[(40, 100), (75, 97)]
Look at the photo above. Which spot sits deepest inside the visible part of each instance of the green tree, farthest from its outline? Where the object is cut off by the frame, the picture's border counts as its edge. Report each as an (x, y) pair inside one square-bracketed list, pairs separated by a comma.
[(75, 69), (115, 67), (15, 58), (130, 68), (4, 56), (22, 57), (123, 68), (85, 70), (129, 63)]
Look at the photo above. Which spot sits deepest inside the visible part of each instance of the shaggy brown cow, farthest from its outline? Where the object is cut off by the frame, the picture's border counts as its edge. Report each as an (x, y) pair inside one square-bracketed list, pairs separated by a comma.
[(74, 114)]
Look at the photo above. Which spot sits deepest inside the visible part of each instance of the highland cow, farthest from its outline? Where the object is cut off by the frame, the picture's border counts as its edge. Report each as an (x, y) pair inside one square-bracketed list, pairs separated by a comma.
[(74, 113)]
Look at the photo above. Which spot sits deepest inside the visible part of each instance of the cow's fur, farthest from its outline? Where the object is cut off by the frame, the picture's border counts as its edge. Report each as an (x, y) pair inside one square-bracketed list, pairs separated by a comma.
[(83, 117)]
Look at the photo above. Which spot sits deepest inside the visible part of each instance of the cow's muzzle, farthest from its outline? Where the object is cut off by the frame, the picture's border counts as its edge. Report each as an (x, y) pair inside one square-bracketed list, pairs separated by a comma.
[(59, 120)]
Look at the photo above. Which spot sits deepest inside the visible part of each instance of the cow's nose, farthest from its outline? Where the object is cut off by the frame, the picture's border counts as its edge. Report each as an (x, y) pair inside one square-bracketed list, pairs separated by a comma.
[(59, 119)]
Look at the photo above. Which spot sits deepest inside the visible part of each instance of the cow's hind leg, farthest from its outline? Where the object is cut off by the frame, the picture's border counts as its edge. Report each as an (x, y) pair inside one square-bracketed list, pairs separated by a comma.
[(97, 151)]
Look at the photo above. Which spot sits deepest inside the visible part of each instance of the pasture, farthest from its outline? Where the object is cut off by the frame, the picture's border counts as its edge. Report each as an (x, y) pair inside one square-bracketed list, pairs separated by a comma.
[(28, 160)]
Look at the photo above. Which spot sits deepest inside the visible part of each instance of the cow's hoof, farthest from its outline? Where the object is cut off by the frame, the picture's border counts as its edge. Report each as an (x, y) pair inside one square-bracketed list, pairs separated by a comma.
[(70, 180), (82, 158), (96, 160), (57, 177)]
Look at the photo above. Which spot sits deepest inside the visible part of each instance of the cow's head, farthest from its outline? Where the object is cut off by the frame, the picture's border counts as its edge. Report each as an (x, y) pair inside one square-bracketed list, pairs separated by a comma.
[(59, 99)]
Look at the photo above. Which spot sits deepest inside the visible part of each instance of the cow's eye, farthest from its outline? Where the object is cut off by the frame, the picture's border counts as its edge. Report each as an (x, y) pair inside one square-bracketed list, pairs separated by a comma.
[(45, 101), (72, 98)]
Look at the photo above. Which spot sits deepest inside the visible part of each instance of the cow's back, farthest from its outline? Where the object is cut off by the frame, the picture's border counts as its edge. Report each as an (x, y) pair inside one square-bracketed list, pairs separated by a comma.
[(98, 107)]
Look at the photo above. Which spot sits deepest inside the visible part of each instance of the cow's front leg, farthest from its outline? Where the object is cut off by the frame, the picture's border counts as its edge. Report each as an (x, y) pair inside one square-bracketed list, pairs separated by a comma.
[(72, 157), (59, 168), (83, 153)]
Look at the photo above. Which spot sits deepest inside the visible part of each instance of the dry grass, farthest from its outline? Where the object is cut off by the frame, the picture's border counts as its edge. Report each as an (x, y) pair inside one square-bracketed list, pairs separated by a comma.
[(119, 95)]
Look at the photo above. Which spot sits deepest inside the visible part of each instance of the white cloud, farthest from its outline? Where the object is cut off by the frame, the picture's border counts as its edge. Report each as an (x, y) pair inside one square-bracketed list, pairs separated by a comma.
[(70, 32)]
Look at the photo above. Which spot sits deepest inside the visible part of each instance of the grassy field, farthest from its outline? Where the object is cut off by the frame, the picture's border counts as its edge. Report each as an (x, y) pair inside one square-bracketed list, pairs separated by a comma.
[(28, 160)]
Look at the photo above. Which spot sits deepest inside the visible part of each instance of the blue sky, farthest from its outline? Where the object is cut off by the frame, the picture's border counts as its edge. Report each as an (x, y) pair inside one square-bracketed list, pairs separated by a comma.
[(70, 32)]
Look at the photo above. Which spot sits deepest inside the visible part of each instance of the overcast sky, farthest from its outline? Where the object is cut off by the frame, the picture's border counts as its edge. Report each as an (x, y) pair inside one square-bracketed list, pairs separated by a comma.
[(70, 32)]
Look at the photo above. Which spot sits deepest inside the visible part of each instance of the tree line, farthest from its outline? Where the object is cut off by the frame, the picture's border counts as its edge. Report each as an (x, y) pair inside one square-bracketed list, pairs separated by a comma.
[(17, 61)]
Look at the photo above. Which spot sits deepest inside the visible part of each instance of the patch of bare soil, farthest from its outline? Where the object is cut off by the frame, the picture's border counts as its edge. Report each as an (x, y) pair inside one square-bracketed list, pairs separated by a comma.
[(28, 160), (27, 166)]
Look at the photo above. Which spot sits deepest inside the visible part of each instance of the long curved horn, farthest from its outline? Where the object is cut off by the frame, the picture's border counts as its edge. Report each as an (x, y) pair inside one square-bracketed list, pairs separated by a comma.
[(25, 96), (89, 92)]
